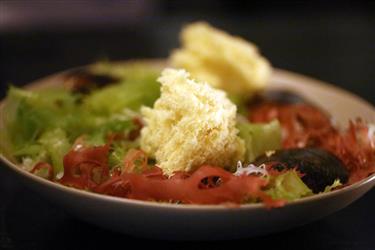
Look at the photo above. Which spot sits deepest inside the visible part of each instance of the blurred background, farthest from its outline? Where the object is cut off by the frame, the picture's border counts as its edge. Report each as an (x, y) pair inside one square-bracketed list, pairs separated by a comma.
[(330, 40)]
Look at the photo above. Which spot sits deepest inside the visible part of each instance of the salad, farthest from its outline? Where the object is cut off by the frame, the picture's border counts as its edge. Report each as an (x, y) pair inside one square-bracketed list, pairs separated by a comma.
[(205, 130)]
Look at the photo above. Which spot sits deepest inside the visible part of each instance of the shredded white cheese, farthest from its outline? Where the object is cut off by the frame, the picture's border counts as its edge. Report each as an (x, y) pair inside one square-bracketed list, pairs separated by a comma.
[(251, 169)]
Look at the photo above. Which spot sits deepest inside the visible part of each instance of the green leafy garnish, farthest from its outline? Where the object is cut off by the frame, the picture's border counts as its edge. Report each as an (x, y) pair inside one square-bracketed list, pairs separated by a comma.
[(259, 138), (137, 88), (335, 184), (42, 125), (288, 186)]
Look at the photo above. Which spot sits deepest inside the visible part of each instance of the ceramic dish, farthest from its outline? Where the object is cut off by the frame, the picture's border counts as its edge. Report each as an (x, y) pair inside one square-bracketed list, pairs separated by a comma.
[(197, 222)]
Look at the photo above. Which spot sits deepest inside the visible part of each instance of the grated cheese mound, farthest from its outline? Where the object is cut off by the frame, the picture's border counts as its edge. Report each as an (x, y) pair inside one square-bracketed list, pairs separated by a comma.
[(191, 124), (224, 61)]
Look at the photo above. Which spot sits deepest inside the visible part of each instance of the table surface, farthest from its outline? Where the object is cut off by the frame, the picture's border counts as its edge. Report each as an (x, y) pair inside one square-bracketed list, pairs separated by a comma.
[(334, 47)]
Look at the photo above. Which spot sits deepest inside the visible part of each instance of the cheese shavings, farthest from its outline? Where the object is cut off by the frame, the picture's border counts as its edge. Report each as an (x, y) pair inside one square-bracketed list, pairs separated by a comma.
[(251, 169), (224, 61)]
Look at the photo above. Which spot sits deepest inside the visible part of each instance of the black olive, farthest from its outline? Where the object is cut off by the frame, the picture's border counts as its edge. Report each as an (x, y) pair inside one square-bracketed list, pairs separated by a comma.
[(277, 96), (83, 81), (320, 167), (283, 96)]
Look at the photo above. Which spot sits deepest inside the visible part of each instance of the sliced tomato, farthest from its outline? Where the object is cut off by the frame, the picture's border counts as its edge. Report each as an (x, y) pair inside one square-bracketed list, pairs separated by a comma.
[(43, 166), (197, 188), (86, 168)]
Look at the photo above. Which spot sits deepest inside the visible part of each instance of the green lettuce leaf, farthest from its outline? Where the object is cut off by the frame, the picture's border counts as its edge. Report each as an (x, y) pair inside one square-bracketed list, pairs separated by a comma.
[(335, 184), (139, 88), (28, 114), (56, 143), (288, 186), (42, 125), (259, 138), (119, 124)]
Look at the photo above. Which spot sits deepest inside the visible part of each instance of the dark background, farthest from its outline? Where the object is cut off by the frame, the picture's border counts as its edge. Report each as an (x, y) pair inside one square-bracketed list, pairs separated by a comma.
[(331, 41)]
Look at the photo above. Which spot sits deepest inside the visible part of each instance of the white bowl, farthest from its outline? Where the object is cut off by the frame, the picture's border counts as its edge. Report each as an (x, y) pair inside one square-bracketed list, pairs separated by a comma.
[(198, 222)]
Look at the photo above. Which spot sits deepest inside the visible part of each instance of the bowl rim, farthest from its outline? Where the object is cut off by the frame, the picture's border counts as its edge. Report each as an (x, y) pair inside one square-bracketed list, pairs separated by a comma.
[(370, 180)]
